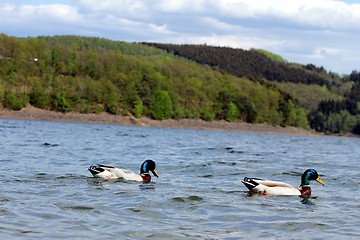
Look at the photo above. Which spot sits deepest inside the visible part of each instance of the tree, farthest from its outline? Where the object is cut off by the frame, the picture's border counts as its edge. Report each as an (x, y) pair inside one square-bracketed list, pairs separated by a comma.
[(161, 105), (232, 112), (1, 92), (316, 120), (288, 111), (301, 119), (138, 108), (13, 102), (207, 114), (94, 75), (110, 96), (247, 110), (356, 129), (38, 97), (60, 103), (335, 122)]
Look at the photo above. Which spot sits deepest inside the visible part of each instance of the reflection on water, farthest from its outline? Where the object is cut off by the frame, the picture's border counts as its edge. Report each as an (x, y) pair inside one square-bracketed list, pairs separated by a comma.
[(47, 192), (308, 200), (147, 186)]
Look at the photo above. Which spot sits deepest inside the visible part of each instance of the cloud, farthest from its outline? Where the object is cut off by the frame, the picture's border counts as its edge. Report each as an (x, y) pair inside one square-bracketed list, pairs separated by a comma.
[(319, 32), (182, 6), (320, 13), (37, 20), (321, 53), (28, 13)]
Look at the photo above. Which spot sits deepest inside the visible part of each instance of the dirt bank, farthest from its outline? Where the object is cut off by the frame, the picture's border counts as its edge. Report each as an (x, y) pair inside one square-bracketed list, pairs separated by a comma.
[(32, 113)]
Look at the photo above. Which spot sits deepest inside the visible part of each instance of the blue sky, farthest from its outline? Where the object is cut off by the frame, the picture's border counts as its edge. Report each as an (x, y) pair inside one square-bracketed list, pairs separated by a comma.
[(323, 32)]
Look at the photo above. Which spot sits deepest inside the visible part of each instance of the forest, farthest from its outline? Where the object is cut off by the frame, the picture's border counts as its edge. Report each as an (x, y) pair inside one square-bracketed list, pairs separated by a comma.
[(331, 102), (166, 81)]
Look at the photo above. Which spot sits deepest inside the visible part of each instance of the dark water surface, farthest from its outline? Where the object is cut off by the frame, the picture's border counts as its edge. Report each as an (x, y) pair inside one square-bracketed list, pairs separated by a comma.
[(46, 191)]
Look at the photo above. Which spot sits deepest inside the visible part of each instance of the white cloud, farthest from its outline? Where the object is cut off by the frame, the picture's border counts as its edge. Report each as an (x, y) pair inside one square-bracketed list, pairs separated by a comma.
[(321, 53), (319, 13), (181, 6), (218, 24), (134, 9), (55, 11), (319, 31), (42, 14), (160, 29)]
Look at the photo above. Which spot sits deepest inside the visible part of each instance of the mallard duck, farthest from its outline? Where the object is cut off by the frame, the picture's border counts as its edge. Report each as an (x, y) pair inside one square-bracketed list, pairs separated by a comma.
[(110, 173), (267, 187)]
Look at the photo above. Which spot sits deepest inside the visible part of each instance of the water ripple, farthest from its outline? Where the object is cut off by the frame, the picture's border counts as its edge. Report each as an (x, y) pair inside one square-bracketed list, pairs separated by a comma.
[(48, 193)]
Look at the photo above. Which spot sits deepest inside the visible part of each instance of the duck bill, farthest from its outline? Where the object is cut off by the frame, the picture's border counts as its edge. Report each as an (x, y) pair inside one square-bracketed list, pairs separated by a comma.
[(320, 181), (155, 173)]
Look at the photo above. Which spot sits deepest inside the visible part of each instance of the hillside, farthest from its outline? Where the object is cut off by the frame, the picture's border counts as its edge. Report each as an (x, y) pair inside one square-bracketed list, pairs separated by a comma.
[(313, 88), (252, 64), (93, 75)]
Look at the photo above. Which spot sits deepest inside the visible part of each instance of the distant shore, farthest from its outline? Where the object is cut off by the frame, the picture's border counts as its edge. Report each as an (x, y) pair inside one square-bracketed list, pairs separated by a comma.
[(32, 113)]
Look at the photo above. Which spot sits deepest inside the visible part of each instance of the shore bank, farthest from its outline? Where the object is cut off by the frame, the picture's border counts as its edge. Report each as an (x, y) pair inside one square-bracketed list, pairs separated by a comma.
[(32, 113)]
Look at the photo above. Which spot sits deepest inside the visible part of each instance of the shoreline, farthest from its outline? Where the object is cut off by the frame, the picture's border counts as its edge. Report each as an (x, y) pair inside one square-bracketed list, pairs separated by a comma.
[(37, 114)]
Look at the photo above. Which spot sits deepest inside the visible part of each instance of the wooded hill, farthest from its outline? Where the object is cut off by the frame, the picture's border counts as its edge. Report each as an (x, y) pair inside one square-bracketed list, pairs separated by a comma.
[(84, 74), (332, 103)]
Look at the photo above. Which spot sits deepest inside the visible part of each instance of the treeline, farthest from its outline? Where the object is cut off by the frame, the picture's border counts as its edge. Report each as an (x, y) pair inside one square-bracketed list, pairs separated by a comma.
[(90, 75), (253, 64), (339, 116), (331, 115)]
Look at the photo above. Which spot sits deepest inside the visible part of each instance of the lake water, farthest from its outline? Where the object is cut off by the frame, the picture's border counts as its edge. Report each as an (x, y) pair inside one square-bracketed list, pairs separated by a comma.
[(46, 191)]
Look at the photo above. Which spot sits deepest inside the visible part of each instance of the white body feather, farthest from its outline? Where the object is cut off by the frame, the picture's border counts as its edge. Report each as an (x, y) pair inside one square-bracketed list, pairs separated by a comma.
[(256, 185), (274, 188), (115, 173)]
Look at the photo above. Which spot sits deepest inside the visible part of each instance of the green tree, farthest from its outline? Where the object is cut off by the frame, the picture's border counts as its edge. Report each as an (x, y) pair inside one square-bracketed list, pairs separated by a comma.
[(110, 96), (301, 119), (96, 75), (60, 103), (339, 122), (232, 112), (38, 97), (247, 109), (293, 115), (291, 118), (13, 102), (2, 92), (161, 105), (207, 114), (287, 111), (138, 108)]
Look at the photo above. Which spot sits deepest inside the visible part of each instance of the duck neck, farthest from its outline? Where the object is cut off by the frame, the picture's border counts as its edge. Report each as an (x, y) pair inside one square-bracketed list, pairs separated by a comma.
[(146, 177), (305, 190), (305, 181)]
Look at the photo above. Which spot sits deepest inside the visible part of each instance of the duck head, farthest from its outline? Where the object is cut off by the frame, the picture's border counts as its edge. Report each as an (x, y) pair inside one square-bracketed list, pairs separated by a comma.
[(146, 167), (309, 175)]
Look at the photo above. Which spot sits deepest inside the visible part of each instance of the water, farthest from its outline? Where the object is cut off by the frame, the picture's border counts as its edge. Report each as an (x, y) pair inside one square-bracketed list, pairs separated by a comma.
[(46, 191)]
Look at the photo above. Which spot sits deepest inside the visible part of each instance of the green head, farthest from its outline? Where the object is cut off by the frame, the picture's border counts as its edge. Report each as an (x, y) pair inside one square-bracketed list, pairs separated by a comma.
[(309, 175), (147, 166)]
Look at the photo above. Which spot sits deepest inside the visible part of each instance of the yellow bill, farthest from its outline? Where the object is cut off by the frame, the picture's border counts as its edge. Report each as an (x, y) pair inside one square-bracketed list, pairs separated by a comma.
[(320, 181), (155, 173)]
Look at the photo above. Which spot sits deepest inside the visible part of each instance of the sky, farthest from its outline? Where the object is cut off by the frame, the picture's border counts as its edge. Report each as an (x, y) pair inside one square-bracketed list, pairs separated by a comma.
[(325, 33)]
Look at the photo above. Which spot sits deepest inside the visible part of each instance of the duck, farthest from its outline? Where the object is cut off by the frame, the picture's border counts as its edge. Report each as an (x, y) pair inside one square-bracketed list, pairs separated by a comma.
[(111, 173), (267, 187)]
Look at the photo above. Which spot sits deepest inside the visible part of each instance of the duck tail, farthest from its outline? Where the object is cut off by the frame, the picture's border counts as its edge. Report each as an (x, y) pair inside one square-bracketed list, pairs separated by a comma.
[(105, 166), (249, 183), (95, 169)]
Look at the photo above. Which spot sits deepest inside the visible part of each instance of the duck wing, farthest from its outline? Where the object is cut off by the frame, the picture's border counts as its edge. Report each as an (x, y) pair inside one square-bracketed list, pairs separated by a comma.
[(109, 173), (101, 171), (125, 174), (251, 183), (270, 183), (256, 185)]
